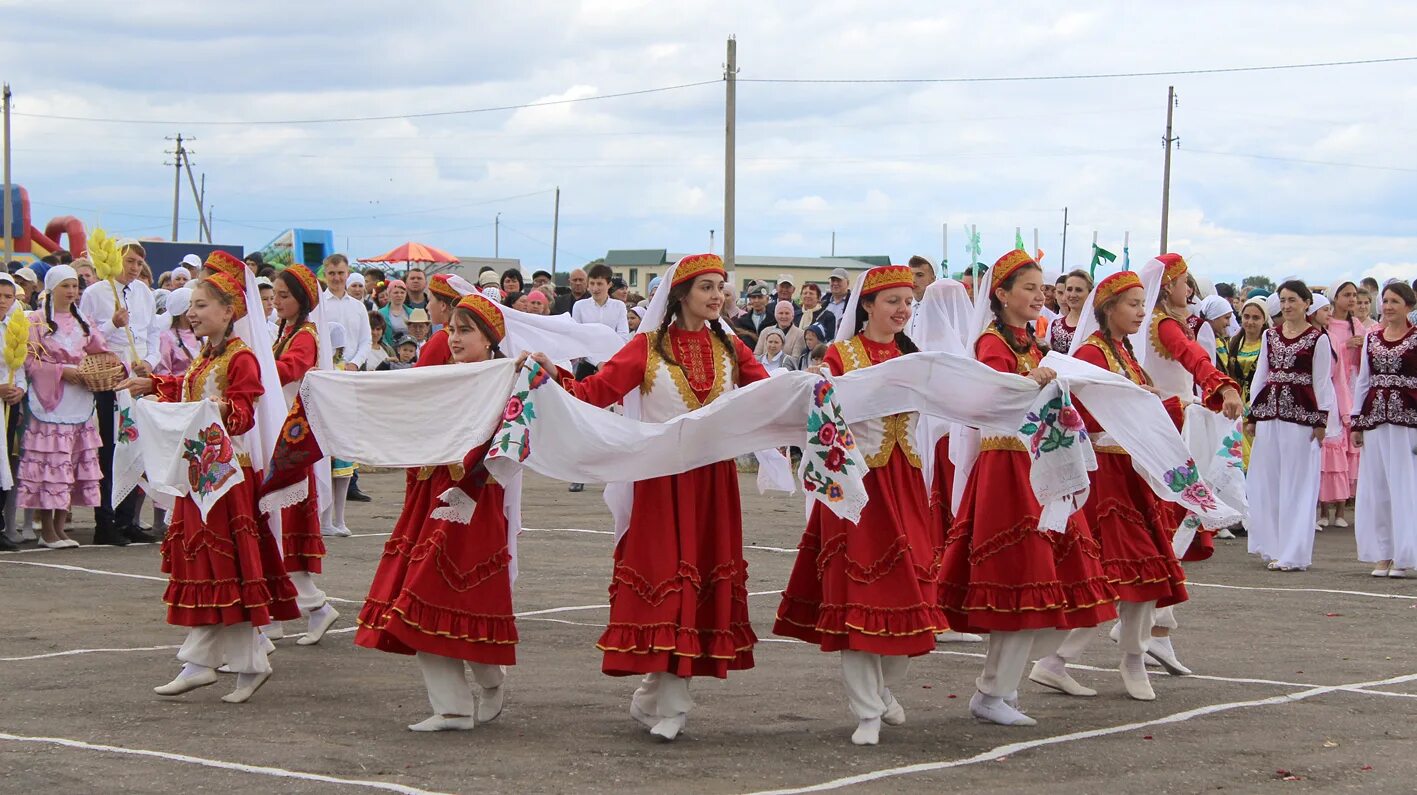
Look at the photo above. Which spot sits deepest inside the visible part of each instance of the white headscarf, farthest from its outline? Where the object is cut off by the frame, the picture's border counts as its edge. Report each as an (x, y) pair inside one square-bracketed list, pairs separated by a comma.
[(1152, 274), (1213, 307), (945, 312), (654, 313), (846, 328), (57, 274), (177, 303), (1320, 301), (270, 411), (182, 270)]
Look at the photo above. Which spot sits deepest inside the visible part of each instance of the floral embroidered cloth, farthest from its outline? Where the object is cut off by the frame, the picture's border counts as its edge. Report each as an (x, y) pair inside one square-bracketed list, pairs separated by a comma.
[(186, 451), (1136, 421), (127, 456), (1217, 445)]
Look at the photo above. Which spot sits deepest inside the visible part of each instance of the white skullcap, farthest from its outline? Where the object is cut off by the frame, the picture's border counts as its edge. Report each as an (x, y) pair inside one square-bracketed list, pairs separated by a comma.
[(57, 274)]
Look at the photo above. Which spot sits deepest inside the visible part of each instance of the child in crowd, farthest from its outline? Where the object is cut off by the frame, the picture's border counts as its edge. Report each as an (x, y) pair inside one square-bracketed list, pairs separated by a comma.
[(379, 352), (59, 468)]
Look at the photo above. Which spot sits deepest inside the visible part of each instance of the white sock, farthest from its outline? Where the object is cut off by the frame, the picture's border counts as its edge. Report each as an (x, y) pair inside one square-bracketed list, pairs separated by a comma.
[(190, 670), (340, 487), (1134, 664)]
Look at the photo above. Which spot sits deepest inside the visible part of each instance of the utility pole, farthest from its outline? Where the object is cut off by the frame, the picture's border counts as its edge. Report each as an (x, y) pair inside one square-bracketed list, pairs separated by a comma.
[(833, 242), (197, 195), (201, 203), (9, 200), (944, 246), (211, 221), (1064, 263), (555, 229), (1166, 174), (711, 231), (497, 237), (730, 77), (178, 154)]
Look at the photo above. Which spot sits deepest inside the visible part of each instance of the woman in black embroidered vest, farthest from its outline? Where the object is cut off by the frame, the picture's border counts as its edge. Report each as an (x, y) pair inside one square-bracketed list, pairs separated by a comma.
[(1293, 406)]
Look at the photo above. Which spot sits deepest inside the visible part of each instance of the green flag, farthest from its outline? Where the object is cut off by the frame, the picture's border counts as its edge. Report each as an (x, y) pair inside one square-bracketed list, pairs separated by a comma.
[(1098, 255), (1018, 241)]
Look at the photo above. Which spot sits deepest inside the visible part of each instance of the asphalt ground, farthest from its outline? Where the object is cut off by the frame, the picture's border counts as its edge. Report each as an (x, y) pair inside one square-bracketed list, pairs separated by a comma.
[(1306, 682)]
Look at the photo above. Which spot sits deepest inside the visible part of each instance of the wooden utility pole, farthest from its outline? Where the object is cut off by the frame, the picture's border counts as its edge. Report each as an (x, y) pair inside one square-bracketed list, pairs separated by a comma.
[(178, 154), (197, 195), (1064, 263), (9, 200), (555, 229), (1166, 173), (730, 77)]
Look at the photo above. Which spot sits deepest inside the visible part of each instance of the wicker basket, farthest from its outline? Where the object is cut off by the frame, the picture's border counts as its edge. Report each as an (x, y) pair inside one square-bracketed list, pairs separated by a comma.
[(101, 372)]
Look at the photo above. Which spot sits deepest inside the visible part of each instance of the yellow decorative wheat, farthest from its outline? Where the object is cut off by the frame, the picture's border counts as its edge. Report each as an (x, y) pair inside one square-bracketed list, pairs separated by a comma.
[(108, 265)]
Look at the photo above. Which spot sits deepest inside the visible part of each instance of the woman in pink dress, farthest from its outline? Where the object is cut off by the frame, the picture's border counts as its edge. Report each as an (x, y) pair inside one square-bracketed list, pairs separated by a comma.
[(1340, 457)]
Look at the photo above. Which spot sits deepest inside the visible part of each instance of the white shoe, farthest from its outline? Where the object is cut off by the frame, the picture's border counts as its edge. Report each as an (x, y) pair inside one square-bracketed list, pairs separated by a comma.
[(1340, 522), (1397, 574), (1225, 533), (1323, 522), (1382, 572), (995, 710), (489, 706), (320, 622), (243, 692), (1063, 682), (868, 732), (647, 720), (61, 544), (438, 723), (1136, 682), (183, 684), (894, 714), (1164, 654), (950, 636), (668, 728), (336, 532)]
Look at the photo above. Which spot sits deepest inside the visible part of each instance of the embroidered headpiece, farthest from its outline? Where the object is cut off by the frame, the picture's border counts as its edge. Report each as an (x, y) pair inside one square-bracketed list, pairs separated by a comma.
[(488, 311), (1115, 285), (1008, 264), (232, 289), (439, 286), (222, 262), (1175, 267), (696, 265), (308, 283), (886, 277)]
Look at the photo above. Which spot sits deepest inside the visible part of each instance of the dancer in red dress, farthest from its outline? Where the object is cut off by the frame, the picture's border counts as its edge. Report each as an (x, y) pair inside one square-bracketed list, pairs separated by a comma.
[(443, 589), (679, 593), (225, 575), (1133, 525), (867, 589), (1001, 573), (297, 352), (1180, 368)]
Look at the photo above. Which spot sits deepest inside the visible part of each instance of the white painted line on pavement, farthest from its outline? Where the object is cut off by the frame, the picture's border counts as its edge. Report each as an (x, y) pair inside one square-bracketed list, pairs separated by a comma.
[(999, 752), (239, 767), (83, 570), (1410, 597), (72, 652)]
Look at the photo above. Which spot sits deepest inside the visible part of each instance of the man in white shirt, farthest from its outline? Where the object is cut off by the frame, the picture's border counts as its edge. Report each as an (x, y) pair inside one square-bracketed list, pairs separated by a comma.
[(346, 310), (129, 326), (922, 273), (600, 308)]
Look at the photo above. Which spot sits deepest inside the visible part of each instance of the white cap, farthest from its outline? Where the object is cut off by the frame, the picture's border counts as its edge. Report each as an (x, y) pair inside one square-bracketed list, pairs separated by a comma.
[(193, 262), (786, 278)]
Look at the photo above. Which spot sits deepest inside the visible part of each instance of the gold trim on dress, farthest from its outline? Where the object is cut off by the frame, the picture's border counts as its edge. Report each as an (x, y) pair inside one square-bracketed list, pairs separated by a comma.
[(1026, 361), (1008, 443), (896, 430), (676, 371)]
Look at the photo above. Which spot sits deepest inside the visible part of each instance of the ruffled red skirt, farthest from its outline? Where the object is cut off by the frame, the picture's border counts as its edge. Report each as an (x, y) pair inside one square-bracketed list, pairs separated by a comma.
[(943, 487), (1001, 573), (443, 587), (869, 586), (226, 570), (679, 593), (301, 543), (1135, 528)]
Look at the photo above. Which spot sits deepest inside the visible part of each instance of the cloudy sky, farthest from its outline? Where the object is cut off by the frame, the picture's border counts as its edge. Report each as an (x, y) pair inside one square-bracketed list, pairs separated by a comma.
[(1300, 172)]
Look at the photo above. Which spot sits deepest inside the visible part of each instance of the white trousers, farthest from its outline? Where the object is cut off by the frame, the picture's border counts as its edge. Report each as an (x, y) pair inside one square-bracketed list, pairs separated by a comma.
[(1135, 620), (869, 679), (1283, 487), (237, 646), (308, 596), (664, 695), (1007, 655), (1385, 517), (446, 680)]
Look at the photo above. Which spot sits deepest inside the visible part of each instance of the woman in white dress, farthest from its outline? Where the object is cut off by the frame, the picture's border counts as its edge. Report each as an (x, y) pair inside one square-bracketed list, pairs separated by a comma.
[(1294, 408)]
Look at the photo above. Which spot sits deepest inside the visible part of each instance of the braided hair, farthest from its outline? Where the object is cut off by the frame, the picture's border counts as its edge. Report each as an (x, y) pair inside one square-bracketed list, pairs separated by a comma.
[(997, 307), (297, 290), (902, 340), (671, 313), (73, 310)]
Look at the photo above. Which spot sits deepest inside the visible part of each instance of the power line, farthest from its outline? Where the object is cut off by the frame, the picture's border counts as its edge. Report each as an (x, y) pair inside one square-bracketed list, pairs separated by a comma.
[(1092, 76), (390, 117), (1302, 160)]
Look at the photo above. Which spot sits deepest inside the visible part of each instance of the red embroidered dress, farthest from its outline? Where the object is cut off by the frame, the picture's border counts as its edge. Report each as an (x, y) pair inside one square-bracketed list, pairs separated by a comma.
[(1000, 572), (679, 593), (870, 586), (1392, 382), (226, 570), (444, 586), (1288, 393), (1132, 523), (301, 544)]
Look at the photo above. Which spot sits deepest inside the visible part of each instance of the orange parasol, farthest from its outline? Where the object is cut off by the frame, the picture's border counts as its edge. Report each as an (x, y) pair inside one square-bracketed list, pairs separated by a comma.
[(410, 253)]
